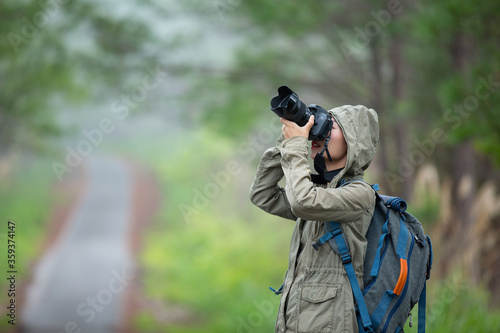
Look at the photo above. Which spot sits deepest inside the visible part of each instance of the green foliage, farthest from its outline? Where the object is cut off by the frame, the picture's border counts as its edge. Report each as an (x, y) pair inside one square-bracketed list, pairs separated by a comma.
[(244, 107), (219, 262), (427, 211), (344, 53), (55, 54), (465, 57), (29, 76)]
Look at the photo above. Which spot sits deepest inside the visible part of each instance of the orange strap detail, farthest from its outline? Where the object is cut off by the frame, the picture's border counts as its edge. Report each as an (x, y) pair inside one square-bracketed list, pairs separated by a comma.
[(403, 274)]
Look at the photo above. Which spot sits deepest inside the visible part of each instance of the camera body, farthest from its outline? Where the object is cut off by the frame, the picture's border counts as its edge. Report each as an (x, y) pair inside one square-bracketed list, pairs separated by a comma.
[(288, 105)]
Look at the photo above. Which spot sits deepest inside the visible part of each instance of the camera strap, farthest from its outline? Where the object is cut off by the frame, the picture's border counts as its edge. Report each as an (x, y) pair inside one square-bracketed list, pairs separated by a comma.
[(325, 148), (319, 159)]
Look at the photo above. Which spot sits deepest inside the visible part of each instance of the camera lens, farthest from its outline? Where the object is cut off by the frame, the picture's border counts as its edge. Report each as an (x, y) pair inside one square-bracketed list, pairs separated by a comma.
[(288, 105)]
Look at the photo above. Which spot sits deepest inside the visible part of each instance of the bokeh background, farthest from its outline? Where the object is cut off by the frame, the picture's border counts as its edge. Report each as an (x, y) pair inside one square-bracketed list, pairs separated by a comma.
[(173, 97)]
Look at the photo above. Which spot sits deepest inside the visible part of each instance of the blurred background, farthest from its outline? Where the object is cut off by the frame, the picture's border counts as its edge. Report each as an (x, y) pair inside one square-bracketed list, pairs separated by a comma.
[(130, 132)]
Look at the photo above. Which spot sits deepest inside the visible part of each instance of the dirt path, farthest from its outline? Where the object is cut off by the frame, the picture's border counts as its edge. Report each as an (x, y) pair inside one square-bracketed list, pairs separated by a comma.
[(85, 281)]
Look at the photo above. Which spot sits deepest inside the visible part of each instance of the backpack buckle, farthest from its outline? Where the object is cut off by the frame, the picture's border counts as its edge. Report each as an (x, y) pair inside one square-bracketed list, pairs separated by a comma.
[(317, 245), (346, 258)]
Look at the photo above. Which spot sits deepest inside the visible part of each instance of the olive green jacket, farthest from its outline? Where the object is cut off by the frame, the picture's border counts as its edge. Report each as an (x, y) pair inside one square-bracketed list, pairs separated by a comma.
[(317, 296)]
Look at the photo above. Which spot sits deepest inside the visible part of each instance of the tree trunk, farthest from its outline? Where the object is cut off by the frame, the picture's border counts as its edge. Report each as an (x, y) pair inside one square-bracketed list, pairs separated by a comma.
[(464, 183), (380, 162), (463, 154), (463, 171), (401, 125)]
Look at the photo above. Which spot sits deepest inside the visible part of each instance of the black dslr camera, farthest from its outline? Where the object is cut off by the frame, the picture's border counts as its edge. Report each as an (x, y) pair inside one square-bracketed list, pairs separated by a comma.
[(288, 105)]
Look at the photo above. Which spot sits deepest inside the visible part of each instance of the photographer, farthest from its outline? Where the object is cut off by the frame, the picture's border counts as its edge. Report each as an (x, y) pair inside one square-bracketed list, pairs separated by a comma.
[(316, 294)]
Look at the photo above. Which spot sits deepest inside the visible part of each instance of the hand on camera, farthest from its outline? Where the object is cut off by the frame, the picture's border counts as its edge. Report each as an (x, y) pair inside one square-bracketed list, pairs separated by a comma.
[(291, 129)]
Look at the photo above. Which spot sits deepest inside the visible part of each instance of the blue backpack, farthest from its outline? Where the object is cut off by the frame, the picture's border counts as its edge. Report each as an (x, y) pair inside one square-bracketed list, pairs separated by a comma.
[(396, 267)]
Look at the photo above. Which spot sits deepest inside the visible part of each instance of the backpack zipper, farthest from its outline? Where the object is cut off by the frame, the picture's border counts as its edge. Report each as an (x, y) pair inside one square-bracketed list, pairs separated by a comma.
[(368, 287), (419, 241), (403, 294)]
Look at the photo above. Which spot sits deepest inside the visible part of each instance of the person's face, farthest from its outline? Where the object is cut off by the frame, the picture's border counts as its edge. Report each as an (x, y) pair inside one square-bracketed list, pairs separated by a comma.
[(337, 146)]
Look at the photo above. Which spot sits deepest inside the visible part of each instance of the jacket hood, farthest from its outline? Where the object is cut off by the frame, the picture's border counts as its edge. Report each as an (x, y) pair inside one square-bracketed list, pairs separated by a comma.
[(359, 125)]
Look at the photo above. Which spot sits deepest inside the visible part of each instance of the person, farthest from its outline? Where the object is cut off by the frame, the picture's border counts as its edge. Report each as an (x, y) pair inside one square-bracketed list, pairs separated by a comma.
[(316, 294)]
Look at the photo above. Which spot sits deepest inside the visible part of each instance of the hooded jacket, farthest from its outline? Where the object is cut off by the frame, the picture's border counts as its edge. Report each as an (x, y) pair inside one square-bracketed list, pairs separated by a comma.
[(317, 296)]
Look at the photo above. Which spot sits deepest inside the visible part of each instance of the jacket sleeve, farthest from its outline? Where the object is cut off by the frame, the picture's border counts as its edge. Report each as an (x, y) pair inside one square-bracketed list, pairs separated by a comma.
[(265, 192), (344, 204)]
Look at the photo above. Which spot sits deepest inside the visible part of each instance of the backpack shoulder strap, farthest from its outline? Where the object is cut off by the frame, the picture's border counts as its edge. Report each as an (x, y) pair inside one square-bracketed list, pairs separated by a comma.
[(334, 235), (344, 182), (423, 295), (422, 303), (335, 238)]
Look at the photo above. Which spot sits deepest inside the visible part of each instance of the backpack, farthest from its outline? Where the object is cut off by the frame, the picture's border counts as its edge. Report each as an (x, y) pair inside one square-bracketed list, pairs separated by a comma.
[(397, 265)]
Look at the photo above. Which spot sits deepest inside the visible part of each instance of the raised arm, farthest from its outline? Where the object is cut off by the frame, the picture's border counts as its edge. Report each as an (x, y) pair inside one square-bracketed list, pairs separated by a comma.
[(310, 202), (265, 192)]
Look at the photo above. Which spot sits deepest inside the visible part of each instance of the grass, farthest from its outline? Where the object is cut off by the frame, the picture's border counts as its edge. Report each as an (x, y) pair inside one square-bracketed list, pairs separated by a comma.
[(26, 201), (454, 305)]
